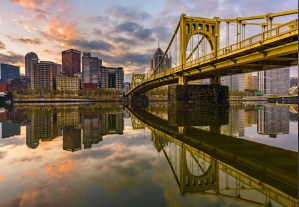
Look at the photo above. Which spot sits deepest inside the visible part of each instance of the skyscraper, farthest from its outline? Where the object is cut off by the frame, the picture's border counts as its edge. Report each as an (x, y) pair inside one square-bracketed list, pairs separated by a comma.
[(9, 72), (274, 81), (111, 77), (43, 76), (90, 69), (157, 57), (234, 82), (30, 59), (71, 62)]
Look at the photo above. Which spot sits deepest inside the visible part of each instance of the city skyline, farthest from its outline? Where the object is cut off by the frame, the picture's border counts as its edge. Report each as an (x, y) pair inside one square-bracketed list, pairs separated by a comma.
[(122, 34)]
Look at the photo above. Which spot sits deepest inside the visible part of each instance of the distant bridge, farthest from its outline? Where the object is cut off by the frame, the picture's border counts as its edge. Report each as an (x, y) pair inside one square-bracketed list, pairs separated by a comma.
[(194, 50)]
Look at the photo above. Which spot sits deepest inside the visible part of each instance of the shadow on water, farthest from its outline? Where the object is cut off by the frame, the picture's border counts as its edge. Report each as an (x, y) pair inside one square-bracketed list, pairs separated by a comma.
[(201, 159)]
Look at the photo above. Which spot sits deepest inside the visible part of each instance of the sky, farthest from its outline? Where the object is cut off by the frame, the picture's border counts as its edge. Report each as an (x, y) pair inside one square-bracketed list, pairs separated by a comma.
[(121, 33)]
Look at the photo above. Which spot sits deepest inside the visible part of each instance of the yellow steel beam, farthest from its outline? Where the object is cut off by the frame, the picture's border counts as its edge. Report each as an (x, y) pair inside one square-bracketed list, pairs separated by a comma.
[(260, 24), (264, 16)]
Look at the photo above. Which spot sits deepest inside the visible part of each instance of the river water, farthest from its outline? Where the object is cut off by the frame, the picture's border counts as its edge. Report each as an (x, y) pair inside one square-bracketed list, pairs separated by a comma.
[(244, 154)]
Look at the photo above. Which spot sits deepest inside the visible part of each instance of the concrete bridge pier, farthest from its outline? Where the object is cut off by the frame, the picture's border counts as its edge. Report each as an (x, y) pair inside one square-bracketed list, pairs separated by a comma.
[(138, 100), (202, 94)]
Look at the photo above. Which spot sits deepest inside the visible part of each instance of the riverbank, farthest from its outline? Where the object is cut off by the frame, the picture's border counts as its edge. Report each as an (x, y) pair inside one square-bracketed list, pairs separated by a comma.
[(60, 100)]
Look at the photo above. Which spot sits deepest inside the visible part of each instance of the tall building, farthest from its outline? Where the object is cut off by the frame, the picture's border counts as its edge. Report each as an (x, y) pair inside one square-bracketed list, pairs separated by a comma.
[(234, 82), (90, 68), (9, 72), (157, 57), (43, 76), (273, 120), (71, 60), (274, 81), (30, 59), (250, 82), (111, 77)]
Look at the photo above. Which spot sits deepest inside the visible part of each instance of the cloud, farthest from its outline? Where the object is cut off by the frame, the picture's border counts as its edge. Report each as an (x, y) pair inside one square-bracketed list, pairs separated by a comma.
[(127, 13), (91, 45), (2, 45), (62, 168), (41, 14), (25, 40), (135, 30), (31, 4), (60, 30), (12, 58)]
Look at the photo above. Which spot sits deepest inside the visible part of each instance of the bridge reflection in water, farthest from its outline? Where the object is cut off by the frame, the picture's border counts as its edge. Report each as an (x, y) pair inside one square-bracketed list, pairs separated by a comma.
[(208, 162)]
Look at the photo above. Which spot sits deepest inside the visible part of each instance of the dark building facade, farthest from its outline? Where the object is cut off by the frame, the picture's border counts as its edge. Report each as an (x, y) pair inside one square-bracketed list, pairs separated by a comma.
[(90, 69), (30, 59), (9, 72), (157, 57), (111, 78), (71, 61), (43, 76)]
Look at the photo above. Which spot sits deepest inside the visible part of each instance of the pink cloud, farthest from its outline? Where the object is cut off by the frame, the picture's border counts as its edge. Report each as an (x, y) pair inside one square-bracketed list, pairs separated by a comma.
[(31, 4)]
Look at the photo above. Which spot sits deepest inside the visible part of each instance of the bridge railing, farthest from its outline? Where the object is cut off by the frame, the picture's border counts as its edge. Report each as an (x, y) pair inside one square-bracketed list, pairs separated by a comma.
[(290, 26)]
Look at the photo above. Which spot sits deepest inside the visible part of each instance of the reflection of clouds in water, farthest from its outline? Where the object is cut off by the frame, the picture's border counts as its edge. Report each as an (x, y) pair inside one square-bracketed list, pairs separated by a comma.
[(13, 141), (121, 170)]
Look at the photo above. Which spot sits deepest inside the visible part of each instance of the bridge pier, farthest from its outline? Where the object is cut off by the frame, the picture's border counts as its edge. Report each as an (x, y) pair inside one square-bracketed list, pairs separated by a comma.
[(202, 94), (138, 100)]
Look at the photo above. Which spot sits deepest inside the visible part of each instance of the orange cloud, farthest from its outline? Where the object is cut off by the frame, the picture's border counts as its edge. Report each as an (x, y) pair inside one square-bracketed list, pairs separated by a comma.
[(61, 168), (1, 178), (30, 4), (60, 30), (28, 198)]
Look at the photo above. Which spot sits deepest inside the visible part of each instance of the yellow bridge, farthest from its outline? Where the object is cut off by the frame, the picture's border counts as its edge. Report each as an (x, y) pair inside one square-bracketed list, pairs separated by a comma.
[(194, 50)]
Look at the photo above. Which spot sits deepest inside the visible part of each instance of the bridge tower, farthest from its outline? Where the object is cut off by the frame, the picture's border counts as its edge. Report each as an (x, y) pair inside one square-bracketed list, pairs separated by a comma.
[(207, 28)]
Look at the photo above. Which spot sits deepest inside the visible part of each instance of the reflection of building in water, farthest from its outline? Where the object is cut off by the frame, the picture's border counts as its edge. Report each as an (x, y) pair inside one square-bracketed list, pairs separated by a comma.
[(250, 118), (94, 126), (235, 126), (112, 123), (41, 128), (68, 118), (273, 120), (10, 129), (71, 138), (91, 130)]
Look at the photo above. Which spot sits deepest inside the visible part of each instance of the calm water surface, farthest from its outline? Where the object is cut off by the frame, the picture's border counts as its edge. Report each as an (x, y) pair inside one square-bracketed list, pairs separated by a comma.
[(108, 155)]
